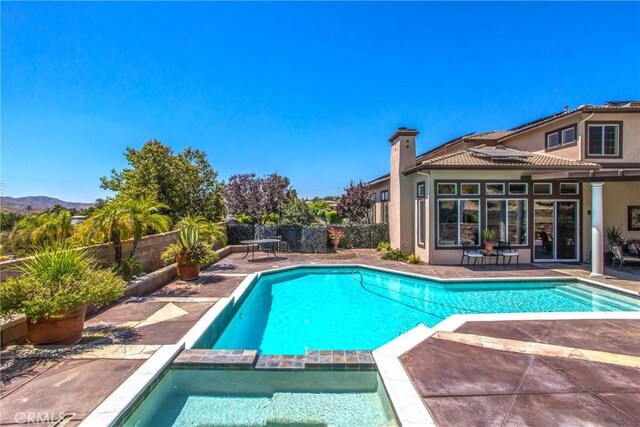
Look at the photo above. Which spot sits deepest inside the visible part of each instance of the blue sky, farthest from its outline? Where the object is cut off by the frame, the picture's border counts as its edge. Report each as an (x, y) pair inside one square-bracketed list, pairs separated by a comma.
[(310, 90)]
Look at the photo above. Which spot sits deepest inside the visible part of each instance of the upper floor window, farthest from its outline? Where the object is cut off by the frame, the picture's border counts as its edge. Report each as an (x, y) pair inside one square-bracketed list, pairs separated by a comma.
[(560, 137), (603, 139)]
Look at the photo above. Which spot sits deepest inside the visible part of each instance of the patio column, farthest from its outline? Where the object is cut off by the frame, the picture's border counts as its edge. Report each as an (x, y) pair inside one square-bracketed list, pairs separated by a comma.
[(597, 230)]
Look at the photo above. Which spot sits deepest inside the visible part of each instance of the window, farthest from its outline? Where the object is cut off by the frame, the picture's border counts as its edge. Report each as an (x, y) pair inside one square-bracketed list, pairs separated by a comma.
[(517, 188), (508, 220), (569, 135), (553, 140), (603, 140), (384, 196), (420, 219), (470, 189), (385, 212), (559, 137), (420, 190), (458, 221), (495, 189), (447, 190), (372, 214), (568, 188), (448, 222), (542, 188)]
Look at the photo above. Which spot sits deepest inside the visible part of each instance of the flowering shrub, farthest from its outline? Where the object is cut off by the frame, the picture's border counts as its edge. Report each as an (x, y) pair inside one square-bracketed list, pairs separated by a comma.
[(336, 233)]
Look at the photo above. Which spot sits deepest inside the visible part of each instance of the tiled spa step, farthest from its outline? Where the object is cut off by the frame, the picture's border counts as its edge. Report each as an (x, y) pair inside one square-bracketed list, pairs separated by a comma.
[(248, 359), (216, 358), (324, 359)]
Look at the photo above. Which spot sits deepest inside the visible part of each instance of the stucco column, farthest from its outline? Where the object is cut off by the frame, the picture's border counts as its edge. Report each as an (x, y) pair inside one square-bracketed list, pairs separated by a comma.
[(597, 230)]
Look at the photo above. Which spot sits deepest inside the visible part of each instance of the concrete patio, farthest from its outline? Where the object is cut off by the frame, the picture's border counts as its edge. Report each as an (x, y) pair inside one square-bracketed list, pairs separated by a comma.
[(44, 385)]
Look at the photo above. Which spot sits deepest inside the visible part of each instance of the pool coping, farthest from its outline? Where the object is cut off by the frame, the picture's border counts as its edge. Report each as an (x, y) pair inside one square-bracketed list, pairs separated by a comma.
[(402, 394)]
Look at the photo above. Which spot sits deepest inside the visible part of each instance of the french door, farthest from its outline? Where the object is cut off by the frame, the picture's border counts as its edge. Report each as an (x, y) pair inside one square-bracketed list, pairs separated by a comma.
[(556, 230)]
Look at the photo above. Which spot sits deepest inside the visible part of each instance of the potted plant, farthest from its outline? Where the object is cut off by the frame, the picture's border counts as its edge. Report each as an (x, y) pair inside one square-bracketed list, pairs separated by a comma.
[(489, 238), (614, 235), (189, 252), (53, 291), (335, 234)]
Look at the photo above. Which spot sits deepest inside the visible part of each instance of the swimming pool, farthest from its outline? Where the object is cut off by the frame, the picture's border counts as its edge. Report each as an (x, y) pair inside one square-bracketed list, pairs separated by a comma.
[(189, 397), (347, 308)]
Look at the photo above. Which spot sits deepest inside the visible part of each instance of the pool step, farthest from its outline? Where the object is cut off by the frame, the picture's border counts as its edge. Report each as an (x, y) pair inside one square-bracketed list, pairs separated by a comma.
[(591, 298), (360, 360)]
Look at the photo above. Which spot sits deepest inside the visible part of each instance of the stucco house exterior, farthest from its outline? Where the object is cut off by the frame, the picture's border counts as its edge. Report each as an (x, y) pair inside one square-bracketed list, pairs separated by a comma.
[(550, 187)]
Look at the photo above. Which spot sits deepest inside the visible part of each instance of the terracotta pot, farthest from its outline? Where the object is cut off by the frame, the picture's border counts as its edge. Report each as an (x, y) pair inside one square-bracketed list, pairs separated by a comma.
[(66, 329), (489, 246), (187, 270), (335, 243)]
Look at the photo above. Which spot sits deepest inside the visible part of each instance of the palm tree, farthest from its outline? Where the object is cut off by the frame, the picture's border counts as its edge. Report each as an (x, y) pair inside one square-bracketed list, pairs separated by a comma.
[(211, 232), (122, 219), (43, 229)]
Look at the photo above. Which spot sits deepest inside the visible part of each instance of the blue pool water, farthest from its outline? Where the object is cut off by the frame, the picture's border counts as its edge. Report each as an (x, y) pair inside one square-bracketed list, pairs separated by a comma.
[(361, 309), (264, 398)]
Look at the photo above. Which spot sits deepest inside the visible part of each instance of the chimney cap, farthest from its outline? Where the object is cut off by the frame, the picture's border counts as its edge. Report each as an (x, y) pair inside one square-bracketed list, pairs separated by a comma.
[(403, 131)]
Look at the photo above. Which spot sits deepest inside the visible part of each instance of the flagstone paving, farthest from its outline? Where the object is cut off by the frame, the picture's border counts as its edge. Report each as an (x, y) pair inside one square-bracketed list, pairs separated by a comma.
[(67, 383), (509, 373)]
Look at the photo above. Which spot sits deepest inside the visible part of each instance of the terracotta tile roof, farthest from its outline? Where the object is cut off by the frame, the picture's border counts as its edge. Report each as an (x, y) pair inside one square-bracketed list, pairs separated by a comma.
[(379, 179), (484, 156), (493, 135)]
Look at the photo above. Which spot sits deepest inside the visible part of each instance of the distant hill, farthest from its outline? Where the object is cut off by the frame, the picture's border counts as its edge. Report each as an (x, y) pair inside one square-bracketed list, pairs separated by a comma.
[(37, 204)]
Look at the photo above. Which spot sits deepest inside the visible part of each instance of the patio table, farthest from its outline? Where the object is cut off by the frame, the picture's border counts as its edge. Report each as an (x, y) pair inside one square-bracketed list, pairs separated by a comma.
[(252, 243)]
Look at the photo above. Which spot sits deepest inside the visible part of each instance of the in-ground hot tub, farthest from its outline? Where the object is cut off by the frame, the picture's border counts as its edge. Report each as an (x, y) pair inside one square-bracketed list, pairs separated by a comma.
[(190, 397)]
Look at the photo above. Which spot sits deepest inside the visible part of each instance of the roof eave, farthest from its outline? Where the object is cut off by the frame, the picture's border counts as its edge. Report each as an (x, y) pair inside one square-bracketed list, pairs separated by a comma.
[(492, 167)]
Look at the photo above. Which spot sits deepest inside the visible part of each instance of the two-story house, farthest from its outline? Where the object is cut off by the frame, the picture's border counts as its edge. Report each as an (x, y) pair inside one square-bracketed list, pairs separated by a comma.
[(549, 187)]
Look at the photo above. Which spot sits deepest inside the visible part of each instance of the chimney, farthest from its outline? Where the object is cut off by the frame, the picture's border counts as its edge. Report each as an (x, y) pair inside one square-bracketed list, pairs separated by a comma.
[(401, 209)]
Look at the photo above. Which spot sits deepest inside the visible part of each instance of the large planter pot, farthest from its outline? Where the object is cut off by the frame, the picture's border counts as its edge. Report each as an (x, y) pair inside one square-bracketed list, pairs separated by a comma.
[(187, 270), (66, 329), (335, 243), (489, 246)]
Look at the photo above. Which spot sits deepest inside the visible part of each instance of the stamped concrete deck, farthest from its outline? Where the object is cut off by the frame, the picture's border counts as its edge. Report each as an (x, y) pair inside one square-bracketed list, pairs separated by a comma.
[(536, 373), (53, 384)]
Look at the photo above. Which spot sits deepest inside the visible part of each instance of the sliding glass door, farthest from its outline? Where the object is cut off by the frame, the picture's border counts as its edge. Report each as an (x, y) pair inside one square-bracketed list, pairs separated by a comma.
[(556, 230)]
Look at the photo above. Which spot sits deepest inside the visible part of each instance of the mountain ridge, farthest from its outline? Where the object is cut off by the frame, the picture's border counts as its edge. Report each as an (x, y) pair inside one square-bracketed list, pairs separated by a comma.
[(28, 204)]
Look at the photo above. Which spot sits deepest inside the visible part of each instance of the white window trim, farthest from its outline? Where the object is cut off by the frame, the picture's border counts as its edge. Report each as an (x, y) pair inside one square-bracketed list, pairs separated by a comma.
[(549, 146), (569, 194), (504, 188), (420, 229), (602, 153), (457, 200), (555, 220), (506, 225), (476, 184), (455, 189), (526, 188), (548, 184), (562, 140)]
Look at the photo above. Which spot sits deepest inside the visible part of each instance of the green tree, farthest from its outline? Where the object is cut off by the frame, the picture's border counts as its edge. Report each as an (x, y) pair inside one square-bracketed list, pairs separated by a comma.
[(42, 229), (124, 218), (296, 211), (318, 208), (185, 183)]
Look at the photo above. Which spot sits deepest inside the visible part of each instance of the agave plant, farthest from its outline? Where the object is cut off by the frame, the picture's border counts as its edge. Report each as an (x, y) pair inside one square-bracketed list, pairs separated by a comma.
[(189, 242), (614, 235)]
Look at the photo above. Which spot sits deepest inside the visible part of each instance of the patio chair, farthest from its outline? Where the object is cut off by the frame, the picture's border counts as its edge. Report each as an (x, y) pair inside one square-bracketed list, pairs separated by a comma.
[(506, 251), (619, 256), (546, 243), (470, 252)]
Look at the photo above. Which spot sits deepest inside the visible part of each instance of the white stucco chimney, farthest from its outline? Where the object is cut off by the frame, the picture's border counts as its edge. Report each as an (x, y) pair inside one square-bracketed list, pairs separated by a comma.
[(403, 157)]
